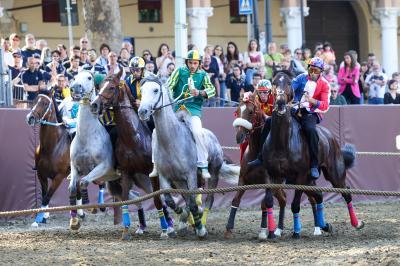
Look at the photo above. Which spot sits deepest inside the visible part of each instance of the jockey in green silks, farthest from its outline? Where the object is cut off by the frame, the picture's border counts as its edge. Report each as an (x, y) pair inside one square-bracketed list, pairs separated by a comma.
[(191, 81)]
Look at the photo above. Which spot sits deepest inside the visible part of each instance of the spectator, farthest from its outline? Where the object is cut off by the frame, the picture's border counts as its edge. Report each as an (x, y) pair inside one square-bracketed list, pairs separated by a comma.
[(164, 57), (60, 90), (297, 62), (272, 60), (83, 57), (233, 57), (92, 66), (32, 78), (221, 61), (45, 57), (213, 73), (55, 67), (123, 60), (307, 55), (348, 77), (63, 52), (336, 99), (113, 67), (192, 46), (371, 60), (329, 74), (396, 76), (150, 68), (235, 82), (102, 59), (84, 43), (251, 87), (392, 96), (74, 68), (283, 47), (170, 69), (41, 44), (253, 59), (74, 51), (8, 58), (15, 42), (375, 82), (129, 47), (328, 54), (361, 81), (16, 67), (30, 48)]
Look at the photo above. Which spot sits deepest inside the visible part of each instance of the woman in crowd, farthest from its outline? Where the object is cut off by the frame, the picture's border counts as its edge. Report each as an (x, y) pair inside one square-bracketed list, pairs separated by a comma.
[(233, 57), (348, 76), (253, 60), (221, 60), (164, 58), (392, 97)]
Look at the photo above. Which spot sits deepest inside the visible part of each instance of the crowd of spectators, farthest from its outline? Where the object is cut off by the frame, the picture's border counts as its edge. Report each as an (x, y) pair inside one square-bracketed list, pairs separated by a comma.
[(35, 66)]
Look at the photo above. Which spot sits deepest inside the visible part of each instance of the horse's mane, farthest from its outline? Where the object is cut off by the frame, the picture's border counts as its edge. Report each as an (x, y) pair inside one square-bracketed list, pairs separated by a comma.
[(58, 113), (283, 79), (154, 78)]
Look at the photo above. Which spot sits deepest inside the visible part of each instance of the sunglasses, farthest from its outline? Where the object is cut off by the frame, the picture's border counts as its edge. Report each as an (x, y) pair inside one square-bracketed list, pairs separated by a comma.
[(263, 92), (314, 70), (334, 91), (146, 54), (136, 69), (84, 42)]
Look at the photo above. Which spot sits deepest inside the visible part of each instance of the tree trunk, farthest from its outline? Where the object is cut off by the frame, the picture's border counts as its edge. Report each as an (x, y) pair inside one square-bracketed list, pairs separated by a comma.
[(103, 23)]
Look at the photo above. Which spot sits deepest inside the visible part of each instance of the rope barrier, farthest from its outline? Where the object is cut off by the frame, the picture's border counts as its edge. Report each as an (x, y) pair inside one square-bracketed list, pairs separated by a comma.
[(205, 191), (375, 153)]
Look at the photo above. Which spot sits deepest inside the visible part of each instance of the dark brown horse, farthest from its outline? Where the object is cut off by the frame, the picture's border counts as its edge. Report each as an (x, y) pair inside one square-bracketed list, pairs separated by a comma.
[(286, 155), (133, 150), (52, 155), (249, 123)]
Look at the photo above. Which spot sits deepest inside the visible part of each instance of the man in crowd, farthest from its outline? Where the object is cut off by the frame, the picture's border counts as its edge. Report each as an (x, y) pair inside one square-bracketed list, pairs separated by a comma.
[(30, 48), (32, 78), (92, 65)]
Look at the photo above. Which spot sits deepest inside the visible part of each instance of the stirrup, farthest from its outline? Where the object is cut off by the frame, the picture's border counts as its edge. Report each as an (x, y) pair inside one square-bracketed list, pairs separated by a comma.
[(154, 173), (204, 173)]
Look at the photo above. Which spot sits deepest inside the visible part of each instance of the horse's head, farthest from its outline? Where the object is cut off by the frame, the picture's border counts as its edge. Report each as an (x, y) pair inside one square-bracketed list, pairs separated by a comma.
[(108, 94), (152, 97), (82, 87), (41, 110), (282, 90), (249, 116)]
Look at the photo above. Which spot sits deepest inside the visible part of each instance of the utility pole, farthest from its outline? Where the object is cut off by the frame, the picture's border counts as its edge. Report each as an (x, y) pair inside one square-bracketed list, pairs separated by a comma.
[(255, 20), (268, 25), (180, 32), (303, 30), (70, 36)]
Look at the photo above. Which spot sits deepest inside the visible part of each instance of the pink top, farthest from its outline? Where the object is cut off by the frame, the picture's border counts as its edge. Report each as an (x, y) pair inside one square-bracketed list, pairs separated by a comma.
[(348, 76)]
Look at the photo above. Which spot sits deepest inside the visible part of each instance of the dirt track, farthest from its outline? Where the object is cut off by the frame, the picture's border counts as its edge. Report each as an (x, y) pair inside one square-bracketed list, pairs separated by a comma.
[(97, 242)]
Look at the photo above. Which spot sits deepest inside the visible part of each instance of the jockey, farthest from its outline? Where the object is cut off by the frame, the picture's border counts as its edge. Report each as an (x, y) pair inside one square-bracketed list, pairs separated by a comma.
[(312, 91), (186, 81), (69, 109), (265, 97)]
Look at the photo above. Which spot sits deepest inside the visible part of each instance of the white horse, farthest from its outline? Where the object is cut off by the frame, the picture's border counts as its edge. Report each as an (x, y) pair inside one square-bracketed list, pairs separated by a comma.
[(91, 150), (176, 155)]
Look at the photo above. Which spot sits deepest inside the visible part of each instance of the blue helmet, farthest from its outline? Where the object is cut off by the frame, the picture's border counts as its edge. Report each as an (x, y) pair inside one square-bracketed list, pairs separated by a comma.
[(317, 62)]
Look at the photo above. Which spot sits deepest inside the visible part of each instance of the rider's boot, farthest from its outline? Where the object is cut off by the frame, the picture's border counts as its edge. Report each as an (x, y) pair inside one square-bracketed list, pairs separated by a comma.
[(314, 173), (204, 173), (256, 163), (154, 173)]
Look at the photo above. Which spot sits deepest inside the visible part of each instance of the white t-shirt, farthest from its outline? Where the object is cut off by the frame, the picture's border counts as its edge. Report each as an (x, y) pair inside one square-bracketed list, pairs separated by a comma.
[(375, 90)]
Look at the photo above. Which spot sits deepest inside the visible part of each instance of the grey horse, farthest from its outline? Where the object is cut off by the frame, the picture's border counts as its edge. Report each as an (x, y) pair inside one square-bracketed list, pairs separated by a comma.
[(175, 153), (91, 150)]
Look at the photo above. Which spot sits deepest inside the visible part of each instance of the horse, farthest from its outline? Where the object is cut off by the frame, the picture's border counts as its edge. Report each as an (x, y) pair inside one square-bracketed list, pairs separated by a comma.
[(91, 152), (248, 124), (285, 155), (132, 152), (176, 156)]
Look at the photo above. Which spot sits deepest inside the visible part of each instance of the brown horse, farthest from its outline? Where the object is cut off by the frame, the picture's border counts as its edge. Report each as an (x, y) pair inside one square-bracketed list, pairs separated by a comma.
[(249, 123), (133, 150), (52, 155), (286, 156)]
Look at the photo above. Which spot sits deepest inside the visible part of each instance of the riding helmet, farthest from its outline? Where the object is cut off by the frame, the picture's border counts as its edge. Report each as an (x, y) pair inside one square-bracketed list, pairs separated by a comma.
[(317, 62), (137, 62), (193, 55), (264, 85)]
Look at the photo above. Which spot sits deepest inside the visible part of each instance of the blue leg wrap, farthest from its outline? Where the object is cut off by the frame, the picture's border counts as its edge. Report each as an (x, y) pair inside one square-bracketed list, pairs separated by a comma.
[(126, 220), (163, 221), (39, 217), (296, 223), (100, 199), (320, 215)]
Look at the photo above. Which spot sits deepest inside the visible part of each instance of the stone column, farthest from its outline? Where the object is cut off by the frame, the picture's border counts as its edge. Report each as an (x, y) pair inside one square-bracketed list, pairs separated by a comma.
[(292, 19), (7, 25), (198, 23), (388, 17)]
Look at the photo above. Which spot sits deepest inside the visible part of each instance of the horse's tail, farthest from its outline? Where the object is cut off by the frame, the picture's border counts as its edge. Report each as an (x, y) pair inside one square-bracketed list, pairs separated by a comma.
[(230, 173), (349, 155)]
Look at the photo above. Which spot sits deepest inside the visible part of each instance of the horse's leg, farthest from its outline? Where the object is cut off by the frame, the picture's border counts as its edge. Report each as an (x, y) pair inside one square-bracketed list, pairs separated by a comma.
[(296, 213), (212, 183), (100, 199), (320, 215), (44, 186), (166, 223), (340, 182), (317, 229), (75, 223), (232, 214), (267, 218), (280, 195), (190, 200), (97, 172), (126, 184)]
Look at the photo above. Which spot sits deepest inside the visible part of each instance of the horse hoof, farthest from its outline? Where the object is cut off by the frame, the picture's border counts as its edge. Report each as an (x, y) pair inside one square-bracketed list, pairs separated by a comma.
[(171, 232), (296, 236), (271, 235), (140, 231), (164, 235), (360, 225), (328, 228), (82, 216), (126, 235), (182, 229), (74, 224), (278, 232), (262, 236), (34, 224), (317, 231), (202, 232), (228, 234), (46, 215), (102, 209)]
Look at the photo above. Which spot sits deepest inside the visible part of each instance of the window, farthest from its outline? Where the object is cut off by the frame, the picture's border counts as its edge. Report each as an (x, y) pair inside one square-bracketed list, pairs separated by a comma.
[(50, 11), (234, 12), (149, 11)]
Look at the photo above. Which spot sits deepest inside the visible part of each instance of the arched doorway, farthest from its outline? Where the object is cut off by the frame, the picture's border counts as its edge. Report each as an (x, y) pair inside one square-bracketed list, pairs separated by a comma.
[(333, 21)]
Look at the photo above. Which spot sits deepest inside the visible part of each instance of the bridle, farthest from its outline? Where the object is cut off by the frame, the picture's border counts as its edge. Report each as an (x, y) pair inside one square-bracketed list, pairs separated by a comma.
[(115, 95), (258, 112)]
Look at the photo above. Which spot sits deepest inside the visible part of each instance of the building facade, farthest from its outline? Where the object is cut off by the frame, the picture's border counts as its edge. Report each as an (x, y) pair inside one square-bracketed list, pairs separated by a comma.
[(362, 25)]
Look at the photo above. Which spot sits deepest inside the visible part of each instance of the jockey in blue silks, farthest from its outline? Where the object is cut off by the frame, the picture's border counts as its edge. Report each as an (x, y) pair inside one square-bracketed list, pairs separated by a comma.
[(312, 91), (69, 109)]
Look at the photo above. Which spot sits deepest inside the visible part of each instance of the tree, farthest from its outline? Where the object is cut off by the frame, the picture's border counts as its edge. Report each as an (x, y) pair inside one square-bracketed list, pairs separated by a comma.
[(103, 23)]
